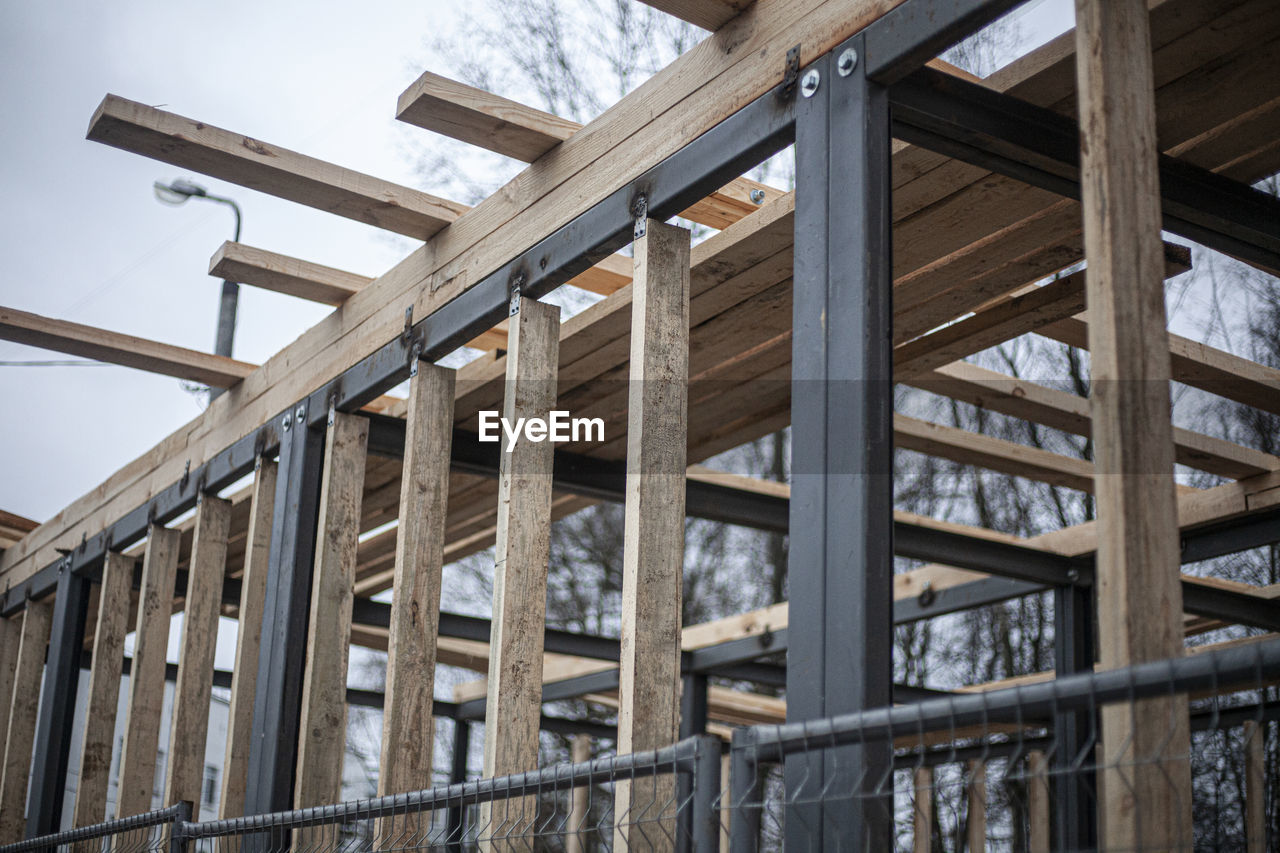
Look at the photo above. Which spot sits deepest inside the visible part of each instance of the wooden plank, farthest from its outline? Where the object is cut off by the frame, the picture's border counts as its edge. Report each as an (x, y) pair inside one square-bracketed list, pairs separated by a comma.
[(1139, 596), (10, 639), (514, 704), (970, 448), (653, 539), (118, 348), (1030, 401), (283, 274), (99, 736), (244, 674), (524, 133), (146, 675), (228, 156), (12, 528), (322, 731), (1039, 829), (407, 730), (1255, 786), (481, 118), (976, 793), (708, 14), (189, 723), (21, 734), (922, 810), (578, 825)]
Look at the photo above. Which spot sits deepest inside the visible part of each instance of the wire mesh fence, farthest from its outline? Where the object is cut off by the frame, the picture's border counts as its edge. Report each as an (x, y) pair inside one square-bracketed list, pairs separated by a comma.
[(152, 832), (1160, 756)]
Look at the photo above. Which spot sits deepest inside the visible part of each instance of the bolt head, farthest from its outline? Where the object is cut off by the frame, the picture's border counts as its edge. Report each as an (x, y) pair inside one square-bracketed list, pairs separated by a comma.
[(299, 413), (757, 196), (809, 82), (847, 62)]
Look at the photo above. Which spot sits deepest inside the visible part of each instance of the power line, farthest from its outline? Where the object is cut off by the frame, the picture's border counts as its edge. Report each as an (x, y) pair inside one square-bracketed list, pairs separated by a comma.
[(53, 363)]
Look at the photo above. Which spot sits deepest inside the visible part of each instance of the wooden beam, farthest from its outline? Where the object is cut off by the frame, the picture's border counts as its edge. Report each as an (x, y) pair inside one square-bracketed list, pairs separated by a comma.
[(189, 723), (10, 639), (1029, 401), (146, 675), (1139, 596), (94, 777), (708, 14), (283, 274), (407, 729), (1039, 828), (578, 824), (117, 348), (514, 704), (976, 793), (971, 448), (322, 732), (244, 675), (922, 810), (1255, 786), (481, 118), (653, 541), (23, 703), (12, 528), (524, 133), (277, 171)]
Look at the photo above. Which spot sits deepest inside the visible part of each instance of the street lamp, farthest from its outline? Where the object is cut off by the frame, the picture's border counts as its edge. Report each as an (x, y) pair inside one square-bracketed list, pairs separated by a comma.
[(178, 192)]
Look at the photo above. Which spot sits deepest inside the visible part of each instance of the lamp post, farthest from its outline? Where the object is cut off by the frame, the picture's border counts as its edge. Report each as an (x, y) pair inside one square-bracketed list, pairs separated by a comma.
[(178, 192)]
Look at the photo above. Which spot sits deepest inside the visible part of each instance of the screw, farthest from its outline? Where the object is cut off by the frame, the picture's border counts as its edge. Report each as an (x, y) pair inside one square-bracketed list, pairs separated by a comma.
[(809, 82), (1073, 575), (300, 413), (757, 196), (847, 62), (286, 423)]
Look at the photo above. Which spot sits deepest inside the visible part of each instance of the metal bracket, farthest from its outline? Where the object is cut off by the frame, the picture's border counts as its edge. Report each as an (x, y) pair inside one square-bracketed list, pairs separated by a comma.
[(332, 411), (640, 210), (407, 332), (791, 72), (186, 475), (415, 353), (517, 282)]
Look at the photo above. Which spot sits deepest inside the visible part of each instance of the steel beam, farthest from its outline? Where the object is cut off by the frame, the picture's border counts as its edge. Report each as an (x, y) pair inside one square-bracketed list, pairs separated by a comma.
[(1075, 731), (841, 524), (911, 34), (282, 659), (57, 705)]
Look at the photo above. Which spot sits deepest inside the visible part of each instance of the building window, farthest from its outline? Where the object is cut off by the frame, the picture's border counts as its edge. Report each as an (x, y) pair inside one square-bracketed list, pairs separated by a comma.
[(210, 785)]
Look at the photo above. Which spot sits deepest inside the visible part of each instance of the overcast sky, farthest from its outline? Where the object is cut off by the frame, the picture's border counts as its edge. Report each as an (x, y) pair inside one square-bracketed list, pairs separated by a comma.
[(85, 239)]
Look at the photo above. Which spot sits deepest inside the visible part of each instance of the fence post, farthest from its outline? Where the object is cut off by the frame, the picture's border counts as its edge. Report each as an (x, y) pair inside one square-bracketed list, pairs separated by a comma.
[(706, 794), (178, 839), (744, 795)]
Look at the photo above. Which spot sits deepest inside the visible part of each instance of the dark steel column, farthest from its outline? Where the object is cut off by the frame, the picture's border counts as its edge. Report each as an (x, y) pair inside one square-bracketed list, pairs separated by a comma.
[(693, 705), (455, 822), (57, 704), (273, 748), (841, 519), (1074, 784)]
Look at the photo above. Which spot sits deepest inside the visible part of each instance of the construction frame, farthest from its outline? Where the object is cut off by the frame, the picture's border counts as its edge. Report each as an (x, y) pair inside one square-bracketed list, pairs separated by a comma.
[(818, 295)]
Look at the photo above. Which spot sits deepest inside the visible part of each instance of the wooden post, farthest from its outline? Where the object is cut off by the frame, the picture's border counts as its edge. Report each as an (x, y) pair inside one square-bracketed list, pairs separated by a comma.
[(146, 676), (1038, 826), (513, 705), (104, 689), (244, 674), (36, 621), (322, 732), (407, 725), (1139, 594), (653, 550), (726, 810), (189, 725), (580, 807), (10, 640), (1255, 787), (922, 811), (976, 834)]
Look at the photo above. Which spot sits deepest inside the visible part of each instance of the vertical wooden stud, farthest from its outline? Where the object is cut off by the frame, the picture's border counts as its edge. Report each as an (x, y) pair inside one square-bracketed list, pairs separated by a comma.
[(922, 810), (189, 726), (653, 550), (580, 805), (1255, 787), (104, 689), (322, 735), (513, 705), (407, 727), (1039, 829), (1139, 594), (10, 640), (244, 675), (36, 621), (977, 790), (146, 675)]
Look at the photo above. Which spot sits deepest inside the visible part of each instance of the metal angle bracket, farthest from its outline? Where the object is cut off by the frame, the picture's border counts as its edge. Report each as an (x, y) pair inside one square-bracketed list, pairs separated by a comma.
[(790, 72), (517, 284), (640, 210)]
